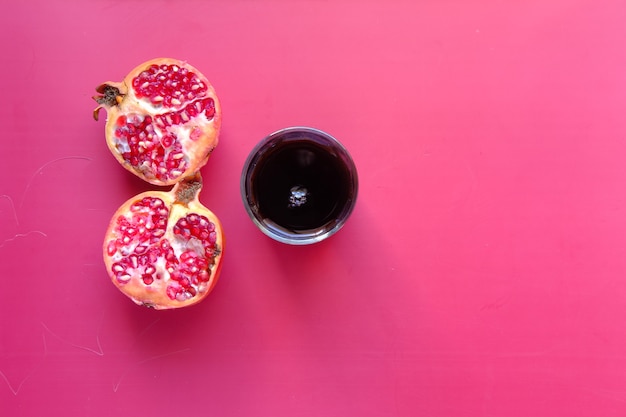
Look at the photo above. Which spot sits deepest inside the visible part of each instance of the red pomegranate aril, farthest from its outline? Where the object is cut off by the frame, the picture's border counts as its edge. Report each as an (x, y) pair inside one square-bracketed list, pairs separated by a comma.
[(162, 107), (147, 279), (167, 141), (164, 250), (171, 292)]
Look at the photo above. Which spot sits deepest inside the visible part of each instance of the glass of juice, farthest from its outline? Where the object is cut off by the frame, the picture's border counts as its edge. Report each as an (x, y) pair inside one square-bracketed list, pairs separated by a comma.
[(299, 185)]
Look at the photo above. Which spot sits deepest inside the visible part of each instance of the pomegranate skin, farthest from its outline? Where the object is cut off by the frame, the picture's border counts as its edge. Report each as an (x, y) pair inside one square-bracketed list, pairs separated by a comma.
[(163, 120), (164, 250)]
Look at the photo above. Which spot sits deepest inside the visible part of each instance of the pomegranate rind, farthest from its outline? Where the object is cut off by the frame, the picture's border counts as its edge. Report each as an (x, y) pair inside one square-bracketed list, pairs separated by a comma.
[(155, 295), (199, 137)]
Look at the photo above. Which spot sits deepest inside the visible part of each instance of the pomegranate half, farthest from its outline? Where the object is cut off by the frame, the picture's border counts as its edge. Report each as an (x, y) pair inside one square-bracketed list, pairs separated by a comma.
[(164, 249), (163, 120)]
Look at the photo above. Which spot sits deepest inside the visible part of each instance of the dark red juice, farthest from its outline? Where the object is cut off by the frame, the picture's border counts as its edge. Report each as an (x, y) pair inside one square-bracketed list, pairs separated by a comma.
[(301, 185)]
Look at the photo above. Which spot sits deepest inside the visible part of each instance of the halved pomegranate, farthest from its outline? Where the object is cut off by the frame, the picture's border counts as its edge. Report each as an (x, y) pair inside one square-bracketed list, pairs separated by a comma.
[(164, 249), (163, 120)]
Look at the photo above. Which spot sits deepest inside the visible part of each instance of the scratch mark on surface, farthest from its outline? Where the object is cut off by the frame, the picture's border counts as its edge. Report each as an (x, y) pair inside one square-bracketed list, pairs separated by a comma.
[(18, 235), (148, 327), (45, 344), (44, 166), (98, 352), (17, 222), (142, 332), (152, 358), (16, 391)]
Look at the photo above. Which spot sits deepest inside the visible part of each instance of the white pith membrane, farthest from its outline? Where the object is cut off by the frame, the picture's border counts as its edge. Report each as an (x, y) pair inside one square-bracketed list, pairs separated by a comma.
[(126, 260)]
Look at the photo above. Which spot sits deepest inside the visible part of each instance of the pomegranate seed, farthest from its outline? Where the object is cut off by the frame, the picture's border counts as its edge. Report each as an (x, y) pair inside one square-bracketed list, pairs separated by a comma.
[(191, 110), (204, 276), (167, 141), (202, 263), (111, 248), (172, 292), (153, 255), (124, 278), (171, 163), (143, 260)]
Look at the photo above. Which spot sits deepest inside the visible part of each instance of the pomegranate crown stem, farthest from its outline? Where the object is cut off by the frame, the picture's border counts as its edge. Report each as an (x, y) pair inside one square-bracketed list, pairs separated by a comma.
[(108, 96), (188, 189)]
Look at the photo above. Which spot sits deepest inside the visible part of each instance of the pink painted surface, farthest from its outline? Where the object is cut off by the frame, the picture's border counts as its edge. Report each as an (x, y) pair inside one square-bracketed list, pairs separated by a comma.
[(483, 272)]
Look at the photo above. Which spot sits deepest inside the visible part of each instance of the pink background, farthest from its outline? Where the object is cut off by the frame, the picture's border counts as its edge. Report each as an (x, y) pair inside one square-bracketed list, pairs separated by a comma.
[(483, 272)]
